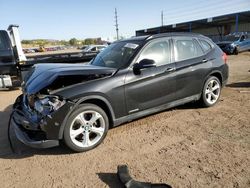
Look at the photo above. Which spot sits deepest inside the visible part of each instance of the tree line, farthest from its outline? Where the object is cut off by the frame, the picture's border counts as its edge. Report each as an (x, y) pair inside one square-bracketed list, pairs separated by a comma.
[(72, 42)]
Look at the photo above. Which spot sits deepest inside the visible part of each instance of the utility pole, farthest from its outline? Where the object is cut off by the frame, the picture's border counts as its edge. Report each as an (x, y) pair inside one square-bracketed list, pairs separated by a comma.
[(116, 25), (162, 18)]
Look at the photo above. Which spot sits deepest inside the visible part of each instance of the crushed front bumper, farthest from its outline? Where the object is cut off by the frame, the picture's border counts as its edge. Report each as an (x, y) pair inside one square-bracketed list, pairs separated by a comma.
[(18, 121), (43, 134)]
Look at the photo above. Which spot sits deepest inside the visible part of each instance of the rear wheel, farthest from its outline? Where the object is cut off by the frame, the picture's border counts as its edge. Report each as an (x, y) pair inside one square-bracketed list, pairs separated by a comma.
[(211, 91), (86, 128)]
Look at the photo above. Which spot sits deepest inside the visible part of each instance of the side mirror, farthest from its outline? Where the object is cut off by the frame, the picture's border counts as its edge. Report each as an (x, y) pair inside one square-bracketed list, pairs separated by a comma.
[(143, 64)]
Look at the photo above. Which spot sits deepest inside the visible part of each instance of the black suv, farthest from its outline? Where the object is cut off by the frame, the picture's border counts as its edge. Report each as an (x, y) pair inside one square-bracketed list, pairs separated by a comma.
[(129, 79)]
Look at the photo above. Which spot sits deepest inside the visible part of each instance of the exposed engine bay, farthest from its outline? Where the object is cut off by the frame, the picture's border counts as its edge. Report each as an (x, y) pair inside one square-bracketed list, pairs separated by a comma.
[(44, 105)]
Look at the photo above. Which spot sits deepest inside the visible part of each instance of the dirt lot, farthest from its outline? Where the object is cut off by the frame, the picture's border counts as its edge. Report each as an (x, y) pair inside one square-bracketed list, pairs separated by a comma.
[(186, 146)]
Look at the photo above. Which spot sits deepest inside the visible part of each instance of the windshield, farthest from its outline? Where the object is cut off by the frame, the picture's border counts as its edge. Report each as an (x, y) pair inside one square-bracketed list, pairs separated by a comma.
[(231, 38), (116, 55)]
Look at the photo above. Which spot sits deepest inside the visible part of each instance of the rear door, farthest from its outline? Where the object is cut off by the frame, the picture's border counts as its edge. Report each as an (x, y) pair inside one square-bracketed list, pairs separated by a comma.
[(191, 65), (154, 86)]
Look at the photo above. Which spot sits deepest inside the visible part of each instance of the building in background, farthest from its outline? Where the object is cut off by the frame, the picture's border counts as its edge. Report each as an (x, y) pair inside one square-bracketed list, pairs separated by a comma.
[(213, 27)]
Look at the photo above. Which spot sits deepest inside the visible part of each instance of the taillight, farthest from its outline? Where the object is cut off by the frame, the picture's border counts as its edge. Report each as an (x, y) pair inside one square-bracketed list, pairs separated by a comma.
[(224, 57)]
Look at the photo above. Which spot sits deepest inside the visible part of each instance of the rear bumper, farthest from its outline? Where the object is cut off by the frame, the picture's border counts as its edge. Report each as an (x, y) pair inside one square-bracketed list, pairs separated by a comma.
[(17, 121), (224, 82), (225, 75)]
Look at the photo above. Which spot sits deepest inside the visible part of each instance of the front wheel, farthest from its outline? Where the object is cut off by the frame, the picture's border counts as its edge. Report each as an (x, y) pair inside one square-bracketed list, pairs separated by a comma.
[(236, 51), (211, 91), (86, 128)]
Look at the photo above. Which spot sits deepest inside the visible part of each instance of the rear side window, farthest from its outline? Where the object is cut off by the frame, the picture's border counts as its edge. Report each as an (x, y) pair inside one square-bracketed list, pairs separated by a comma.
[(159, 51), (187, 49), (205, 45)]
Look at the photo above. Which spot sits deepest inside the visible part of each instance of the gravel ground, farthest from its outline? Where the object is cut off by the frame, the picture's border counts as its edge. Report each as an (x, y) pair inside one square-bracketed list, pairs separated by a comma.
[(186, 146)]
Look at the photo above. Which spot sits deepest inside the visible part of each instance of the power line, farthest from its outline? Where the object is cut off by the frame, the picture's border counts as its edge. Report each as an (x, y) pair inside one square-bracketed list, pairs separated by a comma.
[(198, 9), (198, 14), (220, 4)]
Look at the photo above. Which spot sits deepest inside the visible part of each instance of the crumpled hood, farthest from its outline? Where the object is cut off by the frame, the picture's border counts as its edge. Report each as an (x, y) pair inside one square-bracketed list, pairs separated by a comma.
[(42, 75)]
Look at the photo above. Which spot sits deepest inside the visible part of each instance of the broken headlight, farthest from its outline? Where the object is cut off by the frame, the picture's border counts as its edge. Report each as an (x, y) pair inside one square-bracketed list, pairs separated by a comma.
[(46, 104)]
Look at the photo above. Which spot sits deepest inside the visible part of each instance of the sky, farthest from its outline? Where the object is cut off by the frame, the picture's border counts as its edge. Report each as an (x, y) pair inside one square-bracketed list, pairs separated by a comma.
[(65, 19)]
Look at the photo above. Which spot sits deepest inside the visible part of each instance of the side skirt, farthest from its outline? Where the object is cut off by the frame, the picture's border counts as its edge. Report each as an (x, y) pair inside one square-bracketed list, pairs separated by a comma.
[(155, 109)]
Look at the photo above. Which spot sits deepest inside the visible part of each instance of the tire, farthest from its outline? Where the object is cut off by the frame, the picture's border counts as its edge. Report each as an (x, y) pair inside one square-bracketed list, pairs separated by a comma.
[(86, 128), (236, 51), (211, 92)]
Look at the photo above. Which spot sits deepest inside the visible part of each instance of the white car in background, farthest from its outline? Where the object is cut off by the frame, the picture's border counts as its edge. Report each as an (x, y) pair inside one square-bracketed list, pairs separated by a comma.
[(94, 48)]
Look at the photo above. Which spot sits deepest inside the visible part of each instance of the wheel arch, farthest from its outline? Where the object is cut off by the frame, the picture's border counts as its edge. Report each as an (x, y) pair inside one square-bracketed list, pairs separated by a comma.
[(215, 73), (94, 99), (103, 105)]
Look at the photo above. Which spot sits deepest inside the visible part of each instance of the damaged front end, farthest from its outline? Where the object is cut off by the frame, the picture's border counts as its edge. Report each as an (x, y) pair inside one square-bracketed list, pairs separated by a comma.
[(44, 105), (37, 119), (40, 114)]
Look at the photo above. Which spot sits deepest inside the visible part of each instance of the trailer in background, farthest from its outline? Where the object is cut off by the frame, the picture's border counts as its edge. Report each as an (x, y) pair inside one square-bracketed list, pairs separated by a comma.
[(14, 64)]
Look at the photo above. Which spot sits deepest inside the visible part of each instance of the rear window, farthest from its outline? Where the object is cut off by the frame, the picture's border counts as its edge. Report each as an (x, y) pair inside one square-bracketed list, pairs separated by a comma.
[(205, 45)]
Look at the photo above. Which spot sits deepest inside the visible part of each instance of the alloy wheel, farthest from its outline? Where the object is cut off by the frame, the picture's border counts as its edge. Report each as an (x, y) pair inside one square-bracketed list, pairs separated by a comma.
[(87, 128), (212, 91)]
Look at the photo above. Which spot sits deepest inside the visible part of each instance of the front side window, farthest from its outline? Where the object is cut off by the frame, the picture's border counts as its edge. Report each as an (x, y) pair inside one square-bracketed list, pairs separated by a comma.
[(159, 51), (93, 49), (242, 38), (187, 49)]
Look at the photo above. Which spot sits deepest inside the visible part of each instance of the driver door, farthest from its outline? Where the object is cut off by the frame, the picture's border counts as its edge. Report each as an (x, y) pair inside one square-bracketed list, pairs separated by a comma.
[(153, 86)]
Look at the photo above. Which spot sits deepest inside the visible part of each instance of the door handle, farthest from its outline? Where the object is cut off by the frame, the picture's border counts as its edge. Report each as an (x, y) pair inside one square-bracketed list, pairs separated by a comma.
[(204, 60), (170, 69)]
